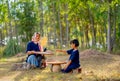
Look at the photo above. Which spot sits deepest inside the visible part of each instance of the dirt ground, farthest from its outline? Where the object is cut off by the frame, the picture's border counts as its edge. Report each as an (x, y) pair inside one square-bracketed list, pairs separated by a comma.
[(96, 66)]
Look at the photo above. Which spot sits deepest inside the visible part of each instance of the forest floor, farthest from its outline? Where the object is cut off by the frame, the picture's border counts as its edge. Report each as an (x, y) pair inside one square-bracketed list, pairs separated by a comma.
[(96, 66)]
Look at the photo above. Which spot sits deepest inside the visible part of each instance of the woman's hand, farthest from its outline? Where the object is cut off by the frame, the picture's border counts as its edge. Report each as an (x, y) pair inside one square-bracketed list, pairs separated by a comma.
[(32, 52)]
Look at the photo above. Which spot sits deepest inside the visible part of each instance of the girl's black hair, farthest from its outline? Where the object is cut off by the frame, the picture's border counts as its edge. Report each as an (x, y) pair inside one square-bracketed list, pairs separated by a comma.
[(75, 41)]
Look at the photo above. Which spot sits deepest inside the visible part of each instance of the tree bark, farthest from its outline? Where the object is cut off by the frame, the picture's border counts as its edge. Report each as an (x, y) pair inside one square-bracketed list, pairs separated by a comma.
[(109, 30), (86, 36), (16, 30), (67, 24), (54, 24), (59, 22), (0, 37), (41, 16), (105, 30), (92, 27), (9, 17), (113, 39)]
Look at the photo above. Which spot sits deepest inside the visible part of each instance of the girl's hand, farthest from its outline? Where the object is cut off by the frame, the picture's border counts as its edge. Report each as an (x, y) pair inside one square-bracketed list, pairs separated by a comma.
[(68, 63), (65, 67), (58, 50)]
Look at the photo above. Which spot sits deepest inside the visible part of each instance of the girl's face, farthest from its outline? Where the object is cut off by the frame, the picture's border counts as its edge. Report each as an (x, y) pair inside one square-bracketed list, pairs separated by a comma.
[(72, 45)]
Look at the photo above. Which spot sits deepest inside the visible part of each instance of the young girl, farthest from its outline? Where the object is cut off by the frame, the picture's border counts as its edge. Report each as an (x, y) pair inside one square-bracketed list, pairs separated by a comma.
[(73, 61)]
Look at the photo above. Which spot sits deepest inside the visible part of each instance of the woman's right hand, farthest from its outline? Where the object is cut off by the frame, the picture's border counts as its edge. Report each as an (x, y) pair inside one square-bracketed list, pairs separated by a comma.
[(32, 52)]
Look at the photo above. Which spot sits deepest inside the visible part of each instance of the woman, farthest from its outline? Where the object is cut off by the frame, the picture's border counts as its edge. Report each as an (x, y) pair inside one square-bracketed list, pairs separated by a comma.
[(33, 59)]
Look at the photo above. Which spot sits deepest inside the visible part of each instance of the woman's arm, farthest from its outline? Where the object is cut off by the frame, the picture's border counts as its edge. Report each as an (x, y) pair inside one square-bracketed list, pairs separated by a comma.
[(30, 52)]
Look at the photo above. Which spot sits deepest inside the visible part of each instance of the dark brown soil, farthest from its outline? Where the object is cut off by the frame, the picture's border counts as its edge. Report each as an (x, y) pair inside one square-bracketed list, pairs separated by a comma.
[(94, 53)]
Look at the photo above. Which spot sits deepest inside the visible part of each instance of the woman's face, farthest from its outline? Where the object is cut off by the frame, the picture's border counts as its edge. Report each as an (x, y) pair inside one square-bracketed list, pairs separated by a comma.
[(37, 37)]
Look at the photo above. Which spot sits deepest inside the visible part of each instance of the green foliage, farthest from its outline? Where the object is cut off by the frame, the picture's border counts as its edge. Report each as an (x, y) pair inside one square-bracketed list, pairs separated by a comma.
[(1, 51), (76, 33), (12, 48), (27, 20), (61, 19), (116, 52)]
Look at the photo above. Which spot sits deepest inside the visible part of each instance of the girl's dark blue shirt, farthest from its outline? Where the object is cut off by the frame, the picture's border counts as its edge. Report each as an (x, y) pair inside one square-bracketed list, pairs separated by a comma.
[(74, 57)]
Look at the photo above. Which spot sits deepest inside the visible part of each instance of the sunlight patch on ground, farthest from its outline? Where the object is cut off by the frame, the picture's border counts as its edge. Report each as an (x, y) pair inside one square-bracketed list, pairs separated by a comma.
[(3, 68), (3, 60), (10, 77), (94, 68)]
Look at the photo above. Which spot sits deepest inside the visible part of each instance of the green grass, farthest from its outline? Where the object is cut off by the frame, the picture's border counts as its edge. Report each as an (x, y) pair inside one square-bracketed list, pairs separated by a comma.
[(94, 68), (46, 75)]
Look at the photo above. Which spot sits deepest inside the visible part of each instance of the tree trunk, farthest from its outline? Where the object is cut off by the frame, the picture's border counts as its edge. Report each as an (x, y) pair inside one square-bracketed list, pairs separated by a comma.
[(119, 33), (9, 17), (105, 31), (0, 37), (67, 24), (109, 30), (114, 30), (59, 22), (16, 31), (54, 25), (82, 37), (92, 27), (86, 36), (41, 16)]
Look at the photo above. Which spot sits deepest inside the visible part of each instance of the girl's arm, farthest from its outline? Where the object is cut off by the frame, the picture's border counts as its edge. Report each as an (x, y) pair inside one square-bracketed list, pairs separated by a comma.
[(63, 51), (68, 63)]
